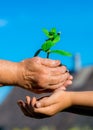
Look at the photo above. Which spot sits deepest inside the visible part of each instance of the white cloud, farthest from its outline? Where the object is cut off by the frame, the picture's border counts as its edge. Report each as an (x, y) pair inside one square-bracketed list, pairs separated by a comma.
[(3, 22)]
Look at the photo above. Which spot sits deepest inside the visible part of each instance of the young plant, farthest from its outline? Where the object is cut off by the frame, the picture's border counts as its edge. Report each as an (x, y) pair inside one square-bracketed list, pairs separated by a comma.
[(52, 38)]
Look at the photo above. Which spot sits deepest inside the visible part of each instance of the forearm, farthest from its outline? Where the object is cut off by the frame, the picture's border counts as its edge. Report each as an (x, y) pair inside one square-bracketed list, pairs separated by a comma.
[(84, 98), (8, 73), (82, 103)]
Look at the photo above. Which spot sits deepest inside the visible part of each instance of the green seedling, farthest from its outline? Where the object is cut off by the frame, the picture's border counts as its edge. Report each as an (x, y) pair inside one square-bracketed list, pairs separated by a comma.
[(52, 38)]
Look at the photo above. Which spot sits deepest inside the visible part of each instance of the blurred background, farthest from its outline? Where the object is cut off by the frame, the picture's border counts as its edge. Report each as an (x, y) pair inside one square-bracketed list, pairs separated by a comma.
[(21, 23)]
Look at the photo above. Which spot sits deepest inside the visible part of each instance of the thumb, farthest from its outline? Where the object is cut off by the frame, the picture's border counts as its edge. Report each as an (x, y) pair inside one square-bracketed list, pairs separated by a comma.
[(50, 63), (46, 101)]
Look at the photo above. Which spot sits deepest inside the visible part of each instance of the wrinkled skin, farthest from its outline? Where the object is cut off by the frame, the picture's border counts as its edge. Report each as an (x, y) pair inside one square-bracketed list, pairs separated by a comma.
[(42, 75)]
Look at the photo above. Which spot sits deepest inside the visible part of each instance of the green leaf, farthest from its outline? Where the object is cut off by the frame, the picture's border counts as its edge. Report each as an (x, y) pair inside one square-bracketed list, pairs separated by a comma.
[(53, 30), (51, 35), (56, 39), (46, 32), (61, 52), (47, 45)]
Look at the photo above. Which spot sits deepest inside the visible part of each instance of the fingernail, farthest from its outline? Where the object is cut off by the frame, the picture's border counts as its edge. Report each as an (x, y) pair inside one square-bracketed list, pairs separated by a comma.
[(38, 104), (56, 61), (62, 88), (70, 82), (71, 77)]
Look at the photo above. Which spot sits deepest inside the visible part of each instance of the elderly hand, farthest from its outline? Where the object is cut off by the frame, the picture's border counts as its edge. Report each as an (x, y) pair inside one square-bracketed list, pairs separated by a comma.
[(42, 75)]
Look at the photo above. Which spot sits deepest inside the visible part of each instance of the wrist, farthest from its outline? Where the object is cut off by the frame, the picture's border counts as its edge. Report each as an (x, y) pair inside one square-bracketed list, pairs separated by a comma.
[(74, 98), (24, 77), (69, 96), (20, 74), (66, 99)]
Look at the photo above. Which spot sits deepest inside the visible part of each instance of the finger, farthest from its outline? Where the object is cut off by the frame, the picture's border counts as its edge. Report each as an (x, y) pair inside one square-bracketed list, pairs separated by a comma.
[(32, 110), (71, 77), (52, 87), (50, 63), (57, 70), (31, 113), (21, 104), (33, 103), (60, 88), (67, 83), (28, 100), (44, 102), (28, 105), (29, 109), (48, 110), (60, 85), (58, 79)]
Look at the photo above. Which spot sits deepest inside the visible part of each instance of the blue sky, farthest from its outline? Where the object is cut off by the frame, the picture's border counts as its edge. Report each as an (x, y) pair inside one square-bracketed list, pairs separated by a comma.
[(21, 23)]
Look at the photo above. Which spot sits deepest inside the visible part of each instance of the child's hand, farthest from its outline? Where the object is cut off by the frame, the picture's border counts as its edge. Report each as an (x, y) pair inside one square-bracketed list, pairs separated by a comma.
[(46, 106), (28, 108)]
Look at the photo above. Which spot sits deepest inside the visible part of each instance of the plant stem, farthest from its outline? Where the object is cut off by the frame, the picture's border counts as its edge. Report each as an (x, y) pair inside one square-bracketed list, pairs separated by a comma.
[(37, 52), (48, 54)]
